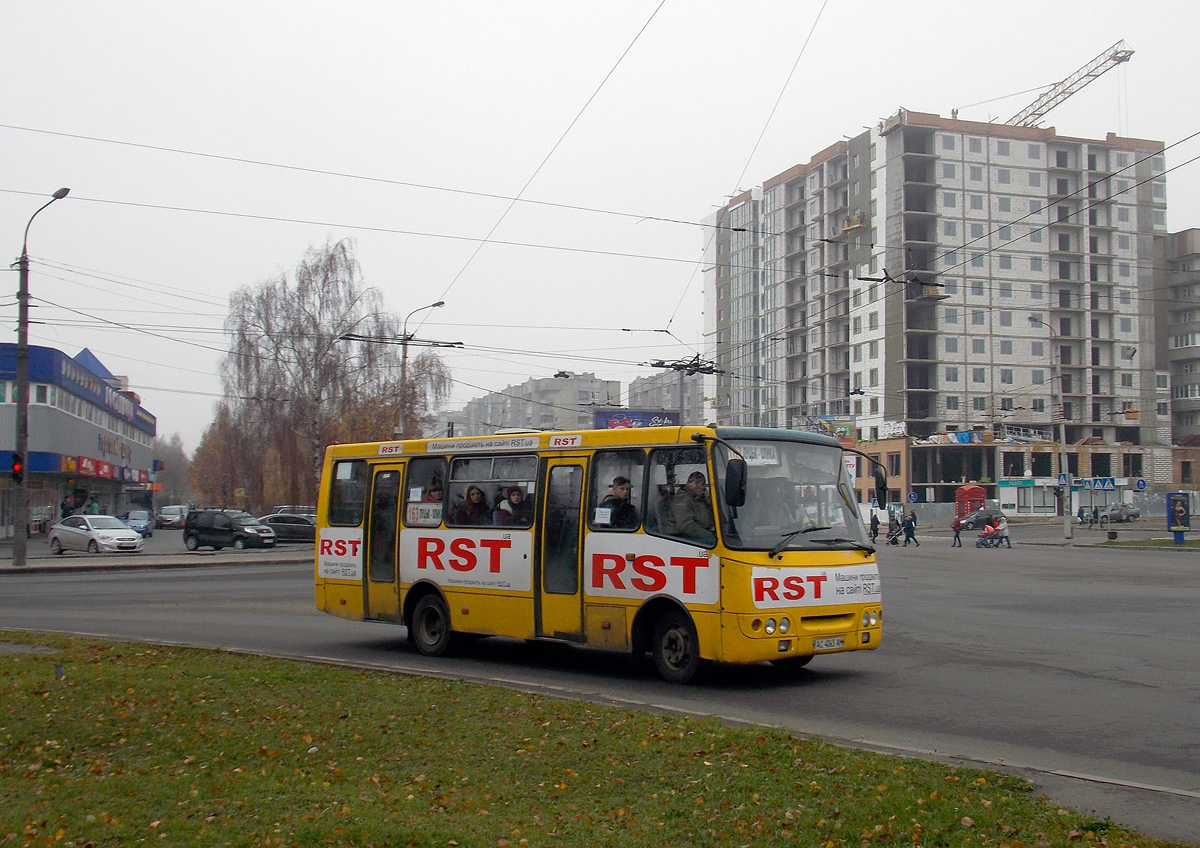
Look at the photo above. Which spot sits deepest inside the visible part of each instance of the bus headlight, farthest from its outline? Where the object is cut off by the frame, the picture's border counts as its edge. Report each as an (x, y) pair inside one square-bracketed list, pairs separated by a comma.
[(784, 626), (770, 628), (870, 618)]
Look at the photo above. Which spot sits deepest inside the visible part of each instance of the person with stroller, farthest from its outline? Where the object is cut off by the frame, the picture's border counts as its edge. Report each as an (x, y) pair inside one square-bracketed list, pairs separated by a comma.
[(893, 533), (1002, 532), (988, 537)]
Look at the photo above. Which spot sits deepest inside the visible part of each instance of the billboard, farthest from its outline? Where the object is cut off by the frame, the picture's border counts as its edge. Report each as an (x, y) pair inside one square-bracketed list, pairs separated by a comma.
[(623, 419)]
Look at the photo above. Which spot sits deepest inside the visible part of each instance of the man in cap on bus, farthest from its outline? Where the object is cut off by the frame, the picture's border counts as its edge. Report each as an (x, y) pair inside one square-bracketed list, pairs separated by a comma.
[(691, 510)]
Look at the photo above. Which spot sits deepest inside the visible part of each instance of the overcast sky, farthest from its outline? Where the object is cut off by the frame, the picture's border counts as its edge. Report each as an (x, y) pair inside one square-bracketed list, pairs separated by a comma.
[(208, 145)]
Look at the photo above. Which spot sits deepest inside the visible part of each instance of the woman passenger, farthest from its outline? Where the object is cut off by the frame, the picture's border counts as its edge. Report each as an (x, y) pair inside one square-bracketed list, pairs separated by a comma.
[(474, 508)]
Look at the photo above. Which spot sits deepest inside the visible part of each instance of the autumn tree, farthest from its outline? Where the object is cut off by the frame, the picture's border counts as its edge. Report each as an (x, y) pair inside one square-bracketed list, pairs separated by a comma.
[(314, 359)]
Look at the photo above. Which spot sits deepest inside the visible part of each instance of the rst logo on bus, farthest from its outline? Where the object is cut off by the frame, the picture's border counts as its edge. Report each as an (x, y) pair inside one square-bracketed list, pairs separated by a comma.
[(565, 441), (391, 449)]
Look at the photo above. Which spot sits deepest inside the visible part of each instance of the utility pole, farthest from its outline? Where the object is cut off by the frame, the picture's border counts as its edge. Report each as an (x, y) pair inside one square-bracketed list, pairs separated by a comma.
[(21, 445), (1064, 468)]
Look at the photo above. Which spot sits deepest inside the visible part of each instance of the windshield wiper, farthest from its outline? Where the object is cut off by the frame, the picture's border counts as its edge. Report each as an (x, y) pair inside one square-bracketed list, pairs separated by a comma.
[(787, 537), (855, 544)]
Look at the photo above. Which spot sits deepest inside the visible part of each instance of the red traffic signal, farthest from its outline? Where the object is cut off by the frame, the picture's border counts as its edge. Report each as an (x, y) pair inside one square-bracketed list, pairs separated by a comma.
[(18, 467)]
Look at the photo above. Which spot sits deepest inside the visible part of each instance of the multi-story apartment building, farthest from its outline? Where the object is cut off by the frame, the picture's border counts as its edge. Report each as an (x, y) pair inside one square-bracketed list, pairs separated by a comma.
[(1180, 301), (567, 401), (663, 391), (932, 276)]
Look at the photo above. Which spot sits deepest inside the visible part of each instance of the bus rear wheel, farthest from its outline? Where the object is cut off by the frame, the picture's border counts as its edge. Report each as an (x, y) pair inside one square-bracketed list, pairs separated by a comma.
[(430, 630), (675, 647)]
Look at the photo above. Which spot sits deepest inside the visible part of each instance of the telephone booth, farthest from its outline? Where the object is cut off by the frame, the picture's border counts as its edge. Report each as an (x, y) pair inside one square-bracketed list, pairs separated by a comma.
[(968, 499)]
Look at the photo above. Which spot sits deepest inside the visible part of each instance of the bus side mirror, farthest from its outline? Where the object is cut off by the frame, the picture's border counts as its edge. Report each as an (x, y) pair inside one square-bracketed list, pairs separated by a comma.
[(735, 482)]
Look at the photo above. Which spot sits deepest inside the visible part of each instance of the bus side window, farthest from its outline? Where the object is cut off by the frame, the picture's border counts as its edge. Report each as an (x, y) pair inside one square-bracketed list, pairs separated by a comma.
[(425, 492), (617, 491), (347, 489)]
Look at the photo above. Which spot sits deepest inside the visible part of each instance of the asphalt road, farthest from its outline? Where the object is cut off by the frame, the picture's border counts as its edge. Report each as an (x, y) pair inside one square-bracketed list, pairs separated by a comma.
[(1077, 667)]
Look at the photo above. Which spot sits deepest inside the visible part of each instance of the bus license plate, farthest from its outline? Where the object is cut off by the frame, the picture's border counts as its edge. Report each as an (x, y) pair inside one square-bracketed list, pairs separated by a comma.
[(831, 643)]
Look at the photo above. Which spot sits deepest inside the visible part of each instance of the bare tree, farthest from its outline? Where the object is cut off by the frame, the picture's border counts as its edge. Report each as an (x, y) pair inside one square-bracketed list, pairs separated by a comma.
[(294, 382)]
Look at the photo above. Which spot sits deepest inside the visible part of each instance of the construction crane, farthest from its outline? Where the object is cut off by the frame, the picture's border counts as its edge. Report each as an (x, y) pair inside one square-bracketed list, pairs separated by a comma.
[(1032, 114)]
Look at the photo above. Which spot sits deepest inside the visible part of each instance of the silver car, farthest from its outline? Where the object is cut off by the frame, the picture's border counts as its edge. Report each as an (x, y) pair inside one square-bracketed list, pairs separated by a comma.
[(95, 534)]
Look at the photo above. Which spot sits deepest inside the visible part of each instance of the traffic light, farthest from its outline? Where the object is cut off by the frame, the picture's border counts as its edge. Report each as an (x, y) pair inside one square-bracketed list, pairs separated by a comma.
[(18, 468), (881, 485)]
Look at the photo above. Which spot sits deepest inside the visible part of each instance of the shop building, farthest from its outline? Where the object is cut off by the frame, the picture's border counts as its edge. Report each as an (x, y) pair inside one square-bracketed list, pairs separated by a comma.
[(89, 437)]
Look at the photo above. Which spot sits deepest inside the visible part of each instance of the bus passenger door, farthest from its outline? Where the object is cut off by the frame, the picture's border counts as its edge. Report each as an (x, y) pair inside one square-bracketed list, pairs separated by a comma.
[(381, 588), (559, 586)]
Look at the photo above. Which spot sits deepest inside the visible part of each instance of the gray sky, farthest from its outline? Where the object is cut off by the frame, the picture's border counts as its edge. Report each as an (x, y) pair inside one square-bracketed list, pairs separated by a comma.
[(435, 104)]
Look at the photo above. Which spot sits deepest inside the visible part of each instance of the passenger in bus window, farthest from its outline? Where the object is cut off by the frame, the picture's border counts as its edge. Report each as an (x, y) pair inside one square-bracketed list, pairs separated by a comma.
[(473, 509), (435, 492), (691, 510), (514, 510), (623, 514)]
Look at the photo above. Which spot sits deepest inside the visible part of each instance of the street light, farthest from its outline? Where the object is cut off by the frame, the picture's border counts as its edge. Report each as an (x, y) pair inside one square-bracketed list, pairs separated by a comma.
[(1063, 467), (404, 366), (21, 448)]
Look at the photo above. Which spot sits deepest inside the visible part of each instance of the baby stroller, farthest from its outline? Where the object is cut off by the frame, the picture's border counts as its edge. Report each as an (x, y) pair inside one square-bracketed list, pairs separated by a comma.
[(989, 537), (894, 534)]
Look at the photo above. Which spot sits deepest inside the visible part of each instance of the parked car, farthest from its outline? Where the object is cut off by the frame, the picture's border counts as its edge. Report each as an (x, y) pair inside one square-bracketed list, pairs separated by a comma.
[(95, 534), (975, 520), (171, 517), (291, 528), (140, 520), (295, 509), (223, 528)]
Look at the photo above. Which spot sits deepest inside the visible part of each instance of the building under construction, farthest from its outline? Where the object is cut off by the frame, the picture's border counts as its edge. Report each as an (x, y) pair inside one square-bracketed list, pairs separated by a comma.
[(955, 283)]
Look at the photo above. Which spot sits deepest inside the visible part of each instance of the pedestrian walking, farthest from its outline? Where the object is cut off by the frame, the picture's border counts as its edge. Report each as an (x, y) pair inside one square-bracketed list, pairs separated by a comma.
[(910, 529), (1082, 515), (1002, 529), (874, 526), (1095, 517), (956, 526)]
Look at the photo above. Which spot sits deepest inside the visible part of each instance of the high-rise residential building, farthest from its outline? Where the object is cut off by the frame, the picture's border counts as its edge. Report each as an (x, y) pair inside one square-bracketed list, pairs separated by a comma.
[(567, 401), (1180, 301), (670, 391), (933, 276)]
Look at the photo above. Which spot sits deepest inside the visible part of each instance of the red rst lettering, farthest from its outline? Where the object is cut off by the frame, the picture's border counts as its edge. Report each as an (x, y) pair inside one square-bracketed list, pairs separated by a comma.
[(689, 565), (464, 550), (794, 587), (651, 577), (326, 547), (766, 587), (816, 580), (610, 565), (429, 552), (495, 546)]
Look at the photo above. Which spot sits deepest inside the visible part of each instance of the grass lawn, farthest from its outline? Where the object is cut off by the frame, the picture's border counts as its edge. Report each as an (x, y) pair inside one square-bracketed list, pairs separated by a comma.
[(116, 744)]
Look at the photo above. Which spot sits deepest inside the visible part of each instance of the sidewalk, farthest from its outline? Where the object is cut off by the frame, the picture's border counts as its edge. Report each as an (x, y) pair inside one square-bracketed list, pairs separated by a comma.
[(39, 559)]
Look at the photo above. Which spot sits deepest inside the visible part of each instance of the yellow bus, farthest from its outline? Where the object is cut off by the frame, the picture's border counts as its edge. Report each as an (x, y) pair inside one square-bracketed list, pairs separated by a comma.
[(611, 539)]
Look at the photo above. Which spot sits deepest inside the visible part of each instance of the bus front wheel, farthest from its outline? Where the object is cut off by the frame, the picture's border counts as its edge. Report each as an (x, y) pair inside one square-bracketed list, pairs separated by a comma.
[(431, 626), (675, 648)]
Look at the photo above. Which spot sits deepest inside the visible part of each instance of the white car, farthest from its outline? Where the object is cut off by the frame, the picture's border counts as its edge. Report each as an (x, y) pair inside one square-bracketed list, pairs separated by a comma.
[(95, 534)]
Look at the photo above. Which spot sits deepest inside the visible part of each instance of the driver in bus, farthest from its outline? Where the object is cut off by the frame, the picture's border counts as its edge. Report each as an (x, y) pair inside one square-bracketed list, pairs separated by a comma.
[(691, 510)]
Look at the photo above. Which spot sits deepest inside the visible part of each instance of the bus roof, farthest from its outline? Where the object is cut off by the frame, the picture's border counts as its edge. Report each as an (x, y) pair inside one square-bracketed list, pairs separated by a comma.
[(530, 440)]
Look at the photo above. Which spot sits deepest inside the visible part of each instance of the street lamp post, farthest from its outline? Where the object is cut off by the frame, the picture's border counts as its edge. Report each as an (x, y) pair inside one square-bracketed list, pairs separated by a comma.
[(404, 366), (21, 446), (1063, 466)]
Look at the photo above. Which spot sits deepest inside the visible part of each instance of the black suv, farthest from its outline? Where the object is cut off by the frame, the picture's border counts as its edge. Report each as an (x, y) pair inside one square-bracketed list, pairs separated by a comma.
[(220, 528)]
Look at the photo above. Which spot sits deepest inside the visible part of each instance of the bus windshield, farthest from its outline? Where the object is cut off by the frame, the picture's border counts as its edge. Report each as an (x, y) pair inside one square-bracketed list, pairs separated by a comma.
[(798, 496)]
